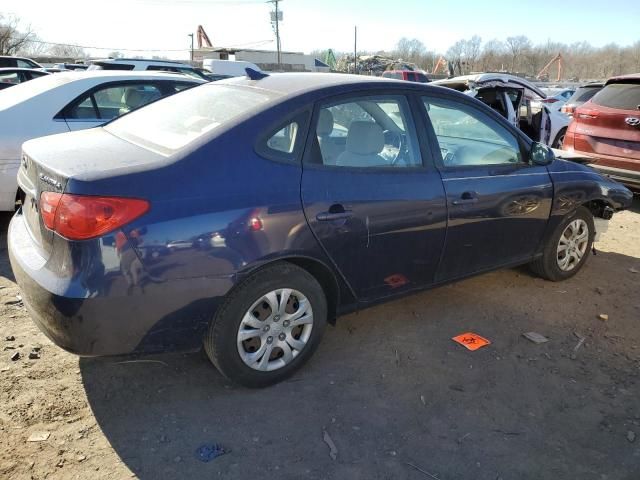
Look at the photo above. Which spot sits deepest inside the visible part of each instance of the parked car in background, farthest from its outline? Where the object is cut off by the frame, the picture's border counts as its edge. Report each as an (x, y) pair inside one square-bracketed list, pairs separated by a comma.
[(514, 98), (556, 98), (10, 77), (18, 62), (429, 186), (70, 101), (71, 66), (149, 65), (409, 75), (583, 94), (607, 128)]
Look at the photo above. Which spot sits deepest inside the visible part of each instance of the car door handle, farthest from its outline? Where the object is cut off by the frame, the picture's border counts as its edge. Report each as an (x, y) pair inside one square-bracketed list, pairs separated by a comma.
[(466, 198), (334, 213)]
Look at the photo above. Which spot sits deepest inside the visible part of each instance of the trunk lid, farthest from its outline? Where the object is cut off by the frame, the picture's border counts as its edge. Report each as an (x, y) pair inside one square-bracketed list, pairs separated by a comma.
[(75, 163)]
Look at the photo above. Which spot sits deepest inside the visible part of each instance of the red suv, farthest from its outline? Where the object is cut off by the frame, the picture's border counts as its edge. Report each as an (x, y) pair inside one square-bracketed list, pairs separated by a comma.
[(410, 75), (607, 128)]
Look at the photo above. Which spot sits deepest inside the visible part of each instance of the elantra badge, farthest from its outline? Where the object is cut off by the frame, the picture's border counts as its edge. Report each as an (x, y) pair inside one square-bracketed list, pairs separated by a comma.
[(50, 181)]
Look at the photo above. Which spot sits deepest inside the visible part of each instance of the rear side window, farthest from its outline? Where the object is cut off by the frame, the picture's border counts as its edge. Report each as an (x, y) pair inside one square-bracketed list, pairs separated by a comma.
[(397, 75), (421, 77), (111, 102), (110, 66), (26, 64), (284, 139), (174, 122), (625, 96)]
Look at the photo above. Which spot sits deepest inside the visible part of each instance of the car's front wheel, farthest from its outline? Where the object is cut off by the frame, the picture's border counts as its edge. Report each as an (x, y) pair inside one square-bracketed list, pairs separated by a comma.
[(268, 326), (568, 248)]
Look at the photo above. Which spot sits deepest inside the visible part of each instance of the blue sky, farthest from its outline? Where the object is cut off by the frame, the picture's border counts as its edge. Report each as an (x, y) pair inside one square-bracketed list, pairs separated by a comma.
[(164, 24)]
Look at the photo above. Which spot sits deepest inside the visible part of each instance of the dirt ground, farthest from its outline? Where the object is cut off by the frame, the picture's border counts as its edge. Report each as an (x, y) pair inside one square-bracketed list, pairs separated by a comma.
[(397, 398)]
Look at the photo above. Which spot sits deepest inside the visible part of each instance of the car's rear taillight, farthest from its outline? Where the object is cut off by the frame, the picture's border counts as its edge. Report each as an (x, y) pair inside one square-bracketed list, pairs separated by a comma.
[(81, 217), (549, 100), (586, 113), (568, 109)]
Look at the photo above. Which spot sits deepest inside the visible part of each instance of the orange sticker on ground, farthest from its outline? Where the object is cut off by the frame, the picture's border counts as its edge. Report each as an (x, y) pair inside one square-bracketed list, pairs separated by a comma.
[(471, 341)]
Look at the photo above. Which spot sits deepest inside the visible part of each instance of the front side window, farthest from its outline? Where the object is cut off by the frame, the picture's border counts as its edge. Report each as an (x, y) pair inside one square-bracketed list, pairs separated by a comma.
[(368, 132), (467, 137)]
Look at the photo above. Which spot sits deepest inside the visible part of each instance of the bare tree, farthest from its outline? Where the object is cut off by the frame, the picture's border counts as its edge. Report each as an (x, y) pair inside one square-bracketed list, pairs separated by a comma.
[(11, 38), (471, 51), (492, 56), (66, 51), (517, 46)]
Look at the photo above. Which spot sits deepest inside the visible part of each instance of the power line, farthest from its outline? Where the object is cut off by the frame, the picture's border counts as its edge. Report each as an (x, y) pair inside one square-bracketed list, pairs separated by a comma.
[(42, 42)]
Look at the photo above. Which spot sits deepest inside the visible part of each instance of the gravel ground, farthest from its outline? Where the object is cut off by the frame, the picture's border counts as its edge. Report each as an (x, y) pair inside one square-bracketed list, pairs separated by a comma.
[(395, 396)]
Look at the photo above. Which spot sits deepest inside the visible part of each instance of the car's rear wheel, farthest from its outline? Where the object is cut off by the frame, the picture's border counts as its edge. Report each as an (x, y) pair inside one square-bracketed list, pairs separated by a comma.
[(568, 248), (268, 326), (559, 140)]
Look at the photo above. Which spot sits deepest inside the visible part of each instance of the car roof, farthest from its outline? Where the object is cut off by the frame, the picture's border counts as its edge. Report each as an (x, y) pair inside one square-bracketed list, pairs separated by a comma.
[(142, 60), (21, 69), (77, 75), (630, 78), (503, 78), (13, 56), (289, 84)]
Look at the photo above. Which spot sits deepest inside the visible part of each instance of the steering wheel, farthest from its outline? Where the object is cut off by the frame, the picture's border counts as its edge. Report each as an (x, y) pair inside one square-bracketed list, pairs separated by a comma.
[(396, 139)]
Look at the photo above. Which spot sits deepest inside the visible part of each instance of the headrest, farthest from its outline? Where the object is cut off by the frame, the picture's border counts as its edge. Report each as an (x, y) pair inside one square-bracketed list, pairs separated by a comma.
[(133, 98), (365, 138), (325, 123)]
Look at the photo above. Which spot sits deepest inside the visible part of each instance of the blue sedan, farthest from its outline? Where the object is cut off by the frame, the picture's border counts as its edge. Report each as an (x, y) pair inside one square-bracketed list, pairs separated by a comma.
[(247, 214)]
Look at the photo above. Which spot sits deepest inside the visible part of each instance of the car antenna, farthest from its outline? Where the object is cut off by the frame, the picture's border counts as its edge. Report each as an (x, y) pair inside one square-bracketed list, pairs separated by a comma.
[(254, 74)]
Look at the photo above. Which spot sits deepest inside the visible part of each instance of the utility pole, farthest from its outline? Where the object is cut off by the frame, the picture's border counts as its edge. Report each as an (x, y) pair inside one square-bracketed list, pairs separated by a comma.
[(275, 18), (191, 35), (355, 50)]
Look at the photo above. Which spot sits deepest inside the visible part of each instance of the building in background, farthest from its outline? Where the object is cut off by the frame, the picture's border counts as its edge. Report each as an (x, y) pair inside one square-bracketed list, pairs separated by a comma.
[(265, 59)]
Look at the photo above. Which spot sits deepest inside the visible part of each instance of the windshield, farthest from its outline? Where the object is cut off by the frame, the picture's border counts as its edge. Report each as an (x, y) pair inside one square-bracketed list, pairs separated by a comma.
[(172, 123), (10, 97)]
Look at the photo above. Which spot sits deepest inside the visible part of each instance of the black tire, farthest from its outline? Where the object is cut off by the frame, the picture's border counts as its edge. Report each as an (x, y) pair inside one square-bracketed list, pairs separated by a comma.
[(220, 341), (547, 265), (559, 140)]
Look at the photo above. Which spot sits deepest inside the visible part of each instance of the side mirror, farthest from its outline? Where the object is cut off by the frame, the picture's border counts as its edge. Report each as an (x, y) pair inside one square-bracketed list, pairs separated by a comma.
[(540, 154)]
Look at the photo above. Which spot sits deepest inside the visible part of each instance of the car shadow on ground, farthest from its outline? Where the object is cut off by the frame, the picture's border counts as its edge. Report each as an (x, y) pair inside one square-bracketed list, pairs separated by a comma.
[(391, 389)]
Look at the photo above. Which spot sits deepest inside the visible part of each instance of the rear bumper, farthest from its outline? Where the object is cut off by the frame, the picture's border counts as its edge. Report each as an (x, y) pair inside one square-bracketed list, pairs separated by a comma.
[(630, 178), (114, 319), (623, 170)]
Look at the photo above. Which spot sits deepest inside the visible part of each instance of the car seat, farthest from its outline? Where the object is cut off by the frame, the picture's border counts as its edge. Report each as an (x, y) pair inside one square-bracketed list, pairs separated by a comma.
[(365, 140)]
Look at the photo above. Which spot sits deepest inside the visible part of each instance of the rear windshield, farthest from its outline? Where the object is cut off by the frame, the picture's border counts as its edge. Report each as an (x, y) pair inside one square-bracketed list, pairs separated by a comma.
[(110, 66), (625, 96), (171, 123), (582, 94)]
